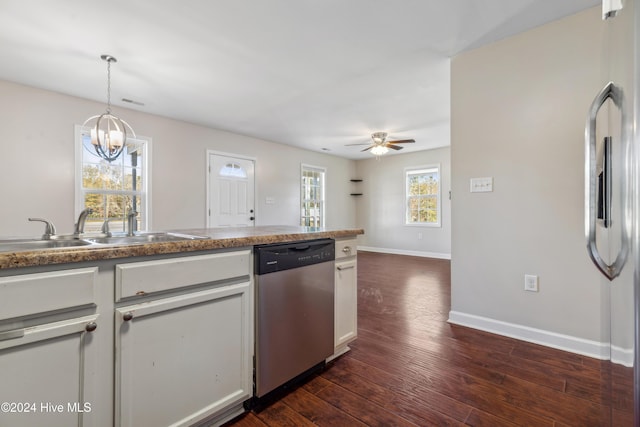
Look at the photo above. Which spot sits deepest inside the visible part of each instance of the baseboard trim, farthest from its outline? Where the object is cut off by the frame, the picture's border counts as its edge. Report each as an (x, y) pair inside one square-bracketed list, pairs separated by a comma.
[(405, 252), (568, 343)]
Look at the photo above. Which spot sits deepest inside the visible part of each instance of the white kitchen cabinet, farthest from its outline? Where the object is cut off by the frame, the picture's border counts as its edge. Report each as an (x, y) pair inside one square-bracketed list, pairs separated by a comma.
[(186, 357), (48, 349), (346, 295)]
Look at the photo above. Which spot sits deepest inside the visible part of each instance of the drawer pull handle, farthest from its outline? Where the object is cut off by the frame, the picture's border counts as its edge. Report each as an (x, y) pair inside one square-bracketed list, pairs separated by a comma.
[(9, 335), (346, 249), (91, 326), (345, 268), (127, 316)]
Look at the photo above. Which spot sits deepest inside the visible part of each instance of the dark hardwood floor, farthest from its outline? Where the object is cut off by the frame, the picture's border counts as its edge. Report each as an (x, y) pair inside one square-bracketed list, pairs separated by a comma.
[(410, 367)]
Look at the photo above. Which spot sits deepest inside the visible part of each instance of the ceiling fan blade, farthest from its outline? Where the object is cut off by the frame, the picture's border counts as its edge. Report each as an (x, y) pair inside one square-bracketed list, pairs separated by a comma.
[(402, 141), (368, 148), (394, 147)]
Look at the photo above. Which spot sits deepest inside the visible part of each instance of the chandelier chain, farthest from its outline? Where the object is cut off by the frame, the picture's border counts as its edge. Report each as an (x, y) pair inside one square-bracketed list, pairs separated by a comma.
[(108, 86)]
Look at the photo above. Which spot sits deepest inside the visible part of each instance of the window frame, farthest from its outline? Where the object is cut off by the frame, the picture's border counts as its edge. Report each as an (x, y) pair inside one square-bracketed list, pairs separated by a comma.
[(322, 201), (144, 219), (424, 169)]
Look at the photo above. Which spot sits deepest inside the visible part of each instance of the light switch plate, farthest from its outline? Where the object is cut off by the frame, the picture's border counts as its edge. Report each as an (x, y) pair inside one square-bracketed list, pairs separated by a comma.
[(531, 283), (482, 185)]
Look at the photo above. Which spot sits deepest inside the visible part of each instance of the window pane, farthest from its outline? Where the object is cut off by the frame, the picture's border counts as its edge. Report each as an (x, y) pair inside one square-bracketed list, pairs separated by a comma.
[(91, 176), (311, 195), (431, 203), (129, 173), (109, 206), (233, 170), (113, 178)]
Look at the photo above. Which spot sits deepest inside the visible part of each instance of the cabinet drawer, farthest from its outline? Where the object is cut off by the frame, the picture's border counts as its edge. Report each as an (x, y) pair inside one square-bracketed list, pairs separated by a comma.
[(346, 248), (31, 294), (143, 278)]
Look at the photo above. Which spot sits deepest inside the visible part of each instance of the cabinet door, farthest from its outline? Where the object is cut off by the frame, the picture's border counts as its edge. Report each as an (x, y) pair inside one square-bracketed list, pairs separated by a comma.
[(48, 374), (346, 302), (182, 359)]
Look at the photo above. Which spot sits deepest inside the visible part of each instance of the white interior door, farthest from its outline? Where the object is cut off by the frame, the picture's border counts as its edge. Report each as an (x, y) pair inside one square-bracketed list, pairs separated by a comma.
[(230, 191)]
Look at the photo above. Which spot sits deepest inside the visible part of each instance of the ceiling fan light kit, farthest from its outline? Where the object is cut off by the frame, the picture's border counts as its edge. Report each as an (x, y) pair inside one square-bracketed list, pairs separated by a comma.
[(379, 150)]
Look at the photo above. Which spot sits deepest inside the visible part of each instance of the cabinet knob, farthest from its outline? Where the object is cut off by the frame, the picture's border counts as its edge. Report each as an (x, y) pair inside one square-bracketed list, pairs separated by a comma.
[(91, 326), (346, 249), (127, 316)]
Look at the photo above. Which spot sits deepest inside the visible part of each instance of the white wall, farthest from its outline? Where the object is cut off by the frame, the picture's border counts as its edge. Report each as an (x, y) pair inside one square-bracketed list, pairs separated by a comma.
[(518, 113), (381, 207), (37, 166)]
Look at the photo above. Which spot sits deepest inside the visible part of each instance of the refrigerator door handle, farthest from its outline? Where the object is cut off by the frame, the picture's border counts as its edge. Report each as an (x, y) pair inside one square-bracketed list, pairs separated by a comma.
[(611, 271)]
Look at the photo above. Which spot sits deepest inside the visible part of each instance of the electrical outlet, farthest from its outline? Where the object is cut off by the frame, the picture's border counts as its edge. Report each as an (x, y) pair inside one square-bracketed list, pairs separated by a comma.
[(530, 283), (419, 236)]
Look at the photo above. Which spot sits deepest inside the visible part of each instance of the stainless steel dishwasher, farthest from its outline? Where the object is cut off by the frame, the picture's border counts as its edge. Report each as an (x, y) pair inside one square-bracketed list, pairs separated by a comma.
[(294, 310)]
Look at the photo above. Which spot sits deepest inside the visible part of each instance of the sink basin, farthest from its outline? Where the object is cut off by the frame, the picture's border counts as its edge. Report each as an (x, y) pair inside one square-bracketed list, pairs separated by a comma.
[(31, 244), (61, 241), (142, 238)]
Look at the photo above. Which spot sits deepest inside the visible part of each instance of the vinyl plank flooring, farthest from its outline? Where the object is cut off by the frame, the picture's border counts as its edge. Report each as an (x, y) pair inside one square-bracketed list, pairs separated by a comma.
[(319, 411), (396, 393), (283, 415), (410, 367), (366, 411)]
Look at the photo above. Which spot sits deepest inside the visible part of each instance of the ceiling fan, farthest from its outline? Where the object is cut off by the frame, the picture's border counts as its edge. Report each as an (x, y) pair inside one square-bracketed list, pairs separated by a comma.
[(380, 144)]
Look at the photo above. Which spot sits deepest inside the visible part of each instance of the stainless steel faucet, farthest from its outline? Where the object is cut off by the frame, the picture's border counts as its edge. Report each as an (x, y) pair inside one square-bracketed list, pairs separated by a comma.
[(105, 228), (131, 222), (49, 228), (79, 228)]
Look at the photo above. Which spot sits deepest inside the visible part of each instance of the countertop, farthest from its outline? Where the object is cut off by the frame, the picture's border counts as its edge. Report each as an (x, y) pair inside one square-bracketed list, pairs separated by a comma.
[(216, 238)]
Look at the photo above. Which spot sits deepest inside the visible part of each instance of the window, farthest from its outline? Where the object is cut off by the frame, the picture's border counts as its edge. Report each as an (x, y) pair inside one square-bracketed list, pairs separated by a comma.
[(112, 189), (422, 196), (312, 196), (233, 170)]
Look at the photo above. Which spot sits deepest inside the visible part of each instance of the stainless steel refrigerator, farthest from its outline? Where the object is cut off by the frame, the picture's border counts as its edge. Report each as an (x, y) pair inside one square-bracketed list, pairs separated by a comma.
[(612, 206)]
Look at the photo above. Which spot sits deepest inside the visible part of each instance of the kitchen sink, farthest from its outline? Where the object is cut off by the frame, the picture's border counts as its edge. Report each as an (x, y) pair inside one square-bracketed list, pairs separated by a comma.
[(70, 241), (142, 238), (17, 245)]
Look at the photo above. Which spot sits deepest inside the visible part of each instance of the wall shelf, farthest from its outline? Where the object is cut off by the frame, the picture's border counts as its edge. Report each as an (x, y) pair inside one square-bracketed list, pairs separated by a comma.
[(356, 181)]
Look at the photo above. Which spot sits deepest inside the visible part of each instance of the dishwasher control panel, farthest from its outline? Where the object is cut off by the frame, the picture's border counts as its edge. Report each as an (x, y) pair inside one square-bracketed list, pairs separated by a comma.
[(284, 256)]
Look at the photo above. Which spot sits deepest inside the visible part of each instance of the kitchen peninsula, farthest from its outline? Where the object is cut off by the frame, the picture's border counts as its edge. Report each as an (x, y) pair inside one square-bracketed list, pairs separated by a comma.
[(158, 333), (212, 238)]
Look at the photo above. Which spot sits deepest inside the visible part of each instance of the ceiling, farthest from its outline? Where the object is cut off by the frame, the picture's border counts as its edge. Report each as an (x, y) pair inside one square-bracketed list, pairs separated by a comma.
[(317, 74)]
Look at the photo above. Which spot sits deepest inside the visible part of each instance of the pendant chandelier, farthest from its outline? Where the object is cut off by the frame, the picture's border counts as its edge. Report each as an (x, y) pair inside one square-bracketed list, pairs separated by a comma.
[(108, 132)]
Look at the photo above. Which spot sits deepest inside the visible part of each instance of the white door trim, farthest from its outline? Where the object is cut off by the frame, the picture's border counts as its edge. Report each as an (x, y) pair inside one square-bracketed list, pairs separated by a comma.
[(208, 179)]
